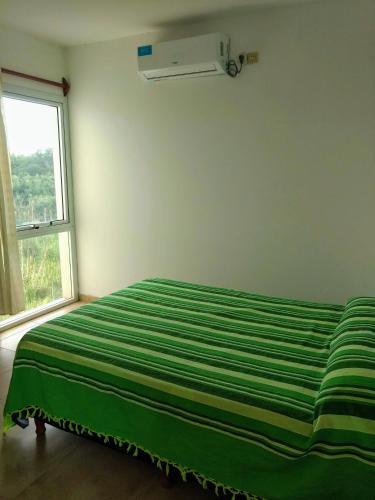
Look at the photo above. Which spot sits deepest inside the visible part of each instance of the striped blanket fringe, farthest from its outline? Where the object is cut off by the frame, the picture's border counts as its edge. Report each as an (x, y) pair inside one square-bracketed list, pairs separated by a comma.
[(162, 463)]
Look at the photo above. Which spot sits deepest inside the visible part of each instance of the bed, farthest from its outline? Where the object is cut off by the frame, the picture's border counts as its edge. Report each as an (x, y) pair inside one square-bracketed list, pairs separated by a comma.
[(258, 396)]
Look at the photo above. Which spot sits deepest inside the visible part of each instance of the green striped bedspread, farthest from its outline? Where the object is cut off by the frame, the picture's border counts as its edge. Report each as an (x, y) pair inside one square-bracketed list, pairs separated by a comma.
[(261, 395)]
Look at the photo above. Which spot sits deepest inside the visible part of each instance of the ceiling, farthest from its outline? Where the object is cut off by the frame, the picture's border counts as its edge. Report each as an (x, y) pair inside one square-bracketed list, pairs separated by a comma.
[(72, 22)]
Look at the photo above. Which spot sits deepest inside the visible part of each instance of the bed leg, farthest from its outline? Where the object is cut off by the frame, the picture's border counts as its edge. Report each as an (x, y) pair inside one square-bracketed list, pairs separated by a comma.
[(40, 427)]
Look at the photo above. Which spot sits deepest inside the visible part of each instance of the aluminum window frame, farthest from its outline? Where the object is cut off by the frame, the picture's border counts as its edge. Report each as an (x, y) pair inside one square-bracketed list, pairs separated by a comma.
[(68, 223)]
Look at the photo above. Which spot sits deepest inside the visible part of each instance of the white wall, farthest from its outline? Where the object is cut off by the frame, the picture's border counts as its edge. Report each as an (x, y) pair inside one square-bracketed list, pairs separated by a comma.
[(265, 182), (27, 54)]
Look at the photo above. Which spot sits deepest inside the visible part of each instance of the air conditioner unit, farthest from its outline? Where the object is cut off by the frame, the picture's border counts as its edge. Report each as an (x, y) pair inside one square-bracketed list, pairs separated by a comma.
[(204, 55)]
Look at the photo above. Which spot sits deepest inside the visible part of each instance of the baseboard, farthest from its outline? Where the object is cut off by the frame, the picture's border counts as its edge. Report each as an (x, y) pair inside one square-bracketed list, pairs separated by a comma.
[(87, 298)]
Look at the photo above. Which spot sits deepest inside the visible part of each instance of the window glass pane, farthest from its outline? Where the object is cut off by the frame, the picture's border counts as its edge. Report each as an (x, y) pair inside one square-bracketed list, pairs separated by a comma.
[(46, 269), (34, 147), (45, 263)]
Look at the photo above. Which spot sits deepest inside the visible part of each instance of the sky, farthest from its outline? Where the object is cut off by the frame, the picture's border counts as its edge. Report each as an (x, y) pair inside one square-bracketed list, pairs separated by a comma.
[(30, 126)]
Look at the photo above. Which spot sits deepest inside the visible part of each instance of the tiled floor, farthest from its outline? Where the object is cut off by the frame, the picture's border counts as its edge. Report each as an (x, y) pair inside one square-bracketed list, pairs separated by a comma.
[(62, 466)]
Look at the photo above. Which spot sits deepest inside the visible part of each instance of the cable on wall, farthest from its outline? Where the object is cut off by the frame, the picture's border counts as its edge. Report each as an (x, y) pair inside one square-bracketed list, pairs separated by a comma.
[(234, 69)]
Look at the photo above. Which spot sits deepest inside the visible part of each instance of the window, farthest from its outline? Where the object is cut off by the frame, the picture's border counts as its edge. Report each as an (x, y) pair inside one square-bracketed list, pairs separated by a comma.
[(36, 127), (37, 171)]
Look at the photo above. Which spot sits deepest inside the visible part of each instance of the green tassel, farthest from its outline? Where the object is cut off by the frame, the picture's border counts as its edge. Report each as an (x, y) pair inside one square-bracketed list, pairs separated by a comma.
[(8, 423)]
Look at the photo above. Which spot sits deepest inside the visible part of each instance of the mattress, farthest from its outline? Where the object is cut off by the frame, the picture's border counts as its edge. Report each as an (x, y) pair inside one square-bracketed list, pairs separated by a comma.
[(264, 396)]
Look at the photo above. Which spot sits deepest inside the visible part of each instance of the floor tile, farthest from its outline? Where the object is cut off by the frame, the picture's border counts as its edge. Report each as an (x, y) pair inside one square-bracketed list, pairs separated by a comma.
[(6, 360), (4, 383), (24, 456), (57, 313), (40, 319), (94, 472), (16, 329), (11, 341), (2, 403)]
